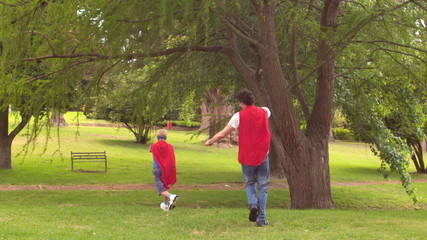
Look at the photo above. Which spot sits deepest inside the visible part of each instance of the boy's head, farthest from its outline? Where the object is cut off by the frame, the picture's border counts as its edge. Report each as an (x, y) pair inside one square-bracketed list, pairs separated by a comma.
[(246, 96), (162, 134)]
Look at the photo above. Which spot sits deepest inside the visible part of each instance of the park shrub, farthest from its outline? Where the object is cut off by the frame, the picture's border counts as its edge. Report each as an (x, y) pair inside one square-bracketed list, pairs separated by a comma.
[(343, 134), (339, 120), (189, 124)]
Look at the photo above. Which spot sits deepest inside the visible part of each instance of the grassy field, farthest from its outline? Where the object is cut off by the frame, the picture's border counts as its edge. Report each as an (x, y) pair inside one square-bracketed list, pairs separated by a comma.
[(377, 211)]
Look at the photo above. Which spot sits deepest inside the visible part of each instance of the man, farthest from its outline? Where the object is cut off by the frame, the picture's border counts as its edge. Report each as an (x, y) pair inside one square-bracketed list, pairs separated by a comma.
[(254, 144)]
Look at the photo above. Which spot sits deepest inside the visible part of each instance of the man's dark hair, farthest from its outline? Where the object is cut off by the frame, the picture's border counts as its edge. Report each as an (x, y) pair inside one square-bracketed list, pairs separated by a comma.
[(246, 96)]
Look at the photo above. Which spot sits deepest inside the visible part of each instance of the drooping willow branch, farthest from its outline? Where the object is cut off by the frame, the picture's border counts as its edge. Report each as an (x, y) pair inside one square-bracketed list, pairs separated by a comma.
[(74, 64), (15, 5), (47, 39), (370, 59), (395, 44), (129, 56)]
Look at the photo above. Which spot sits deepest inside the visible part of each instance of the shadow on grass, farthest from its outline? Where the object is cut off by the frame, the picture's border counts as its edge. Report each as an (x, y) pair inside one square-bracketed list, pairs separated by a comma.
[(88, 171)]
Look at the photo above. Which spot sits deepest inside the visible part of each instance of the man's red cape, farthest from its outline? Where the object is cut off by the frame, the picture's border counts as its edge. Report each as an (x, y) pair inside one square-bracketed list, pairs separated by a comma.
[(165, 157), (254, 136)]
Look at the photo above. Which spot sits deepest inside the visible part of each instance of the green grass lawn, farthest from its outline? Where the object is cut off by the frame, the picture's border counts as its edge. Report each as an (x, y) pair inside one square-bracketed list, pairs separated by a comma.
[(380, 211), (48, 161), (128, 162), (200, 214)]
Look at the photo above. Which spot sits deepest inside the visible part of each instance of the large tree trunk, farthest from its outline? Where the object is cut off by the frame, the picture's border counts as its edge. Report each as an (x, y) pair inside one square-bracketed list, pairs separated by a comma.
[(417, 156), (308, 174), (307, 158), (303, 155), (6, 138), (215, 111), (140, 131), (205, 111), (424, 145), (5, 142), (5, 154), (58, 119), (277, 153)]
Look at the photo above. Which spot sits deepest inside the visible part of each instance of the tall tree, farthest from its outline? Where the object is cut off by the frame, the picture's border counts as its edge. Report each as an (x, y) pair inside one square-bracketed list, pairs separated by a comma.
[(135, 100), (27, 86), (390, 88)]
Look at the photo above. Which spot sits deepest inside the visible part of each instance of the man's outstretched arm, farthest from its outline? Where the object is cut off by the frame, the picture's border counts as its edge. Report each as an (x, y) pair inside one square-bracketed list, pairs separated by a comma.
[(220, 135)]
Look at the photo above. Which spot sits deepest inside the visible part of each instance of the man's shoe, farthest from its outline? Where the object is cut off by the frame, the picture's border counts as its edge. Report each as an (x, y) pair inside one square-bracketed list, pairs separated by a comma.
[(253, 212), (262, 223), (172, 201)]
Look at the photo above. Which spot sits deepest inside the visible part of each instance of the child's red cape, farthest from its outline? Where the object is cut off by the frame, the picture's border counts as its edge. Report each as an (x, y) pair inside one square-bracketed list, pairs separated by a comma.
[(165, 157)]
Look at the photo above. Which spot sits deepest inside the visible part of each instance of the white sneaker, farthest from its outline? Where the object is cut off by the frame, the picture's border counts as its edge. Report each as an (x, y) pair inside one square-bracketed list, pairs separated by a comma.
[(172, 201), (164, 207)]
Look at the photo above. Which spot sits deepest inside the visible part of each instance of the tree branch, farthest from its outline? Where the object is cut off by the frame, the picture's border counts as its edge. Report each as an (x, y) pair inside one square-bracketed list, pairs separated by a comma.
[(239, 31), (312, 6), (108, 69), (76, 63), (301, 80), (142, 20), (236, 59), (396, 44), (370, 59), (245, 26), (294, 64), (130, 128), (356, 3), (404, 53), (153, 17), (47, 39), (166, 52), (24, 120), (419, 5), (351, 34), (407, 69), (15, 5)]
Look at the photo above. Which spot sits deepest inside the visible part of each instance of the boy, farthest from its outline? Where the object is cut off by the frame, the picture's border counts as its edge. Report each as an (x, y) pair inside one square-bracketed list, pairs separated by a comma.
[(164, 169)]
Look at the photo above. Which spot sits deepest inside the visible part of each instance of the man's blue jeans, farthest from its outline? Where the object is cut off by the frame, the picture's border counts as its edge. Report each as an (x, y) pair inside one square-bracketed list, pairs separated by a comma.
[(261, 176)]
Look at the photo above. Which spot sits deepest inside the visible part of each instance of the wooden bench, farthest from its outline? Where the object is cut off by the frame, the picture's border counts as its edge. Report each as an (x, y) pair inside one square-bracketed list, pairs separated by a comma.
[(88, 157)]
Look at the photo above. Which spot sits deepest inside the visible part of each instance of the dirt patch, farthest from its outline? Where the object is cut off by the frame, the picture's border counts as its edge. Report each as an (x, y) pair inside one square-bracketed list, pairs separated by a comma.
[(127, 187), (118, 187)]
